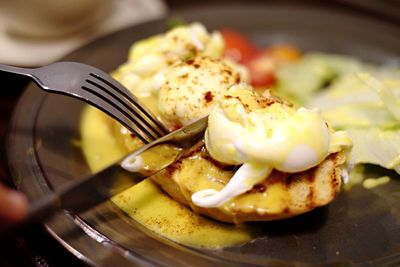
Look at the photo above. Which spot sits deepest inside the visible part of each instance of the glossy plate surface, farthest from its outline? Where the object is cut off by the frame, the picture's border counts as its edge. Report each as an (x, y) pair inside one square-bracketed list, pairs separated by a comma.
[(360, 228)]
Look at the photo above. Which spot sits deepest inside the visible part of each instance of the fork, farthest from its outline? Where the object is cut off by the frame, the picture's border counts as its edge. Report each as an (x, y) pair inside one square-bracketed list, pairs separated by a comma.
[(96, 88)]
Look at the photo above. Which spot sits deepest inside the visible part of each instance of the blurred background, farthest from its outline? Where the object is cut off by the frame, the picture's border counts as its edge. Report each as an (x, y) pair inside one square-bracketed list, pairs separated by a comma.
[(38, 32)]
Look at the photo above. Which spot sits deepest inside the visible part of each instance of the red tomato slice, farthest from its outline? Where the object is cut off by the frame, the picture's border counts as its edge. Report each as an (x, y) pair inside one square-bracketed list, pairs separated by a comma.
[(262, 69), (262, 63), (237, 46), (263, 66)]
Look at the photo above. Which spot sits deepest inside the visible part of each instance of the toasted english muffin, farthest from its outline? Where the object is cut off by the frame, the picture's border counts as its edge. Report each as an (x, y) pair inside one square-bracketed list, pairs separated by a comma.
[(281, 195)]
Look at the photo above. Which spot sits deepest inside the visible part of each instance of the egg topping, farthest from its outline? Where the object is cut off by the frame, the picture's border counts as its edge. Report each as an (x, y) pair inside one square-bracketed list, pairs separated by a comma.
[(261, 136)]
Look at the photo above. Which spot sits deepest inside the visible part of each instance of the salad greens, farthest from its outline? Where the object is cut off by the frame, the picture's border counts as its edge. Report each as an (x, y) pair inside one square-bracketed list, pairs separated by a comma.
[(300, 81), (360, 98)]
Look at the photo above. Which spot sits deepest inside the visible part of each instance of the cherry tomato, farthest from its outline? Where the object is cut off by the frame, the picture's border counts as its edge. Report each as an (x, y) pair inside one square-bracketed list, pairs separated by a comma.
[(262, 70), (261, 63), (237, 46)]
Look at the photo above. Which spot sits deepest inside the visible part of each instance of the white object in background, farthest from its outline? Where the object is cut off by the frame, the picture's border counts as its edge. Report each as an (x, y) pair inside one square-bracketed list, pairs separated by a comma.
[(41, 47), (38, 18)]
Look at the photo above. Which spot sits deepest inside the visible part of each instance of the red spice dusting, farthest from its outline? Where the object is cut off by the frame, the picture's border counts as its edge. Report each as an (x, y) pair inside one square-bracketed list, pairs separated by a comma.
[(238, 80), (208, 96)]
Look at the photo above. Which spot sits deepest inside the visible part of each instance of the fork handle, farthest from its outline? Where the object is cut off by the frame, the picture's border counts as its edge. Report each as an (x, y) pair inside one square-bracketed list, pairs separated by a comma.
[(16, 70)]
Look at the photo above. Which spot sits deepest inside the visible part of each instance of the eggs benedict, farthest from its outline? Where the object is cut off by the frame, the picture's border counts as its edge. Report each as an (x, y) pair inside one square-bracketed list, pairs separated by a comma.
[(261, 159)]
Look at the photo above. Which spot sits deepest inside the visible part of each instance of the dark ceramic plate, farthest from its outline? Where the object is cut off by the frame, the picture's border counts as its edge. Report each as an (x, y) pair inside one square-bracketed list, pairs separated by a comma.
[(360, 228)]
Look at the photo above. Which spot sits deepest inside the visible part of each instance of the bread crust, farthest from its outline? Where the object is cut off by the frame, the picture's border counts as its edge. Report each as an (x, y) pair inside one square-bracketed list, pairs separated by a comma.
[(298, 192)]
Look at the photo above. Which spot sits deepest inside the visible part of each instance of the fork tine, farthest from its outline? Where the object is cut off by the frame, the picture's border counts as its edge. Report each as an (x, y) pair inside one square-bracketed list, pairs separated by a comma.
[(134, 115), (91, 97), (117, 110), (153, 122)]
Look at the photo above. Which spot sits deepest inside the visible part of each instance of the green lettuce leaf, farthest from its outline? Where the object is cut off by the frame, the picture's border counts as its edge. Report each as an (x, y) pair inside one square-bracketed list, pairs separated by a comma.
[(367, 106), (352, 102), (376, 146), (301, 80)]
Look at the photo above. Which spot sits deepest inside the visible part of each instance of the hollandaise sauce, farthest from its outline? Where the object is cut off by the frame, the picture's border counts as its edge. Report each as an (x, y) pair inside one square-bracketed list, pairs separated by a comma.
[(147, 203)]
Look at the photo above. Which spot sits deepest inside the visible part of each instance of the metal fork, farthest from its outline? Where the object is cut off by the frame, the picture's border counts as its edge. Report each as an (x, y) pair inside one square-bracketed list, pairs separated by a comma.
[(96, 88)]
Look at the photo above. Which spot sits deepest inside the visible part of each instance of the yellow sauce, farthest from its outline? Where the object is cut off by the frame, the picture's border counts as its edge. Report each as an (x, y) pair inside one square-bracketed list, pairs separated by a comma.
[(273, 200), (153, 159), (146, 203), (370, 183)]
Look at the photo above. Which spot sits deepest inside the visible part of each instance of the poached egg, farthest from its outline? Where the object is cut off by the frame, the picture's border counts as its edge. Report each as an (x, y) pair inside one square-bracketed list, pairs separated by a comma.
[(261, 136)]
